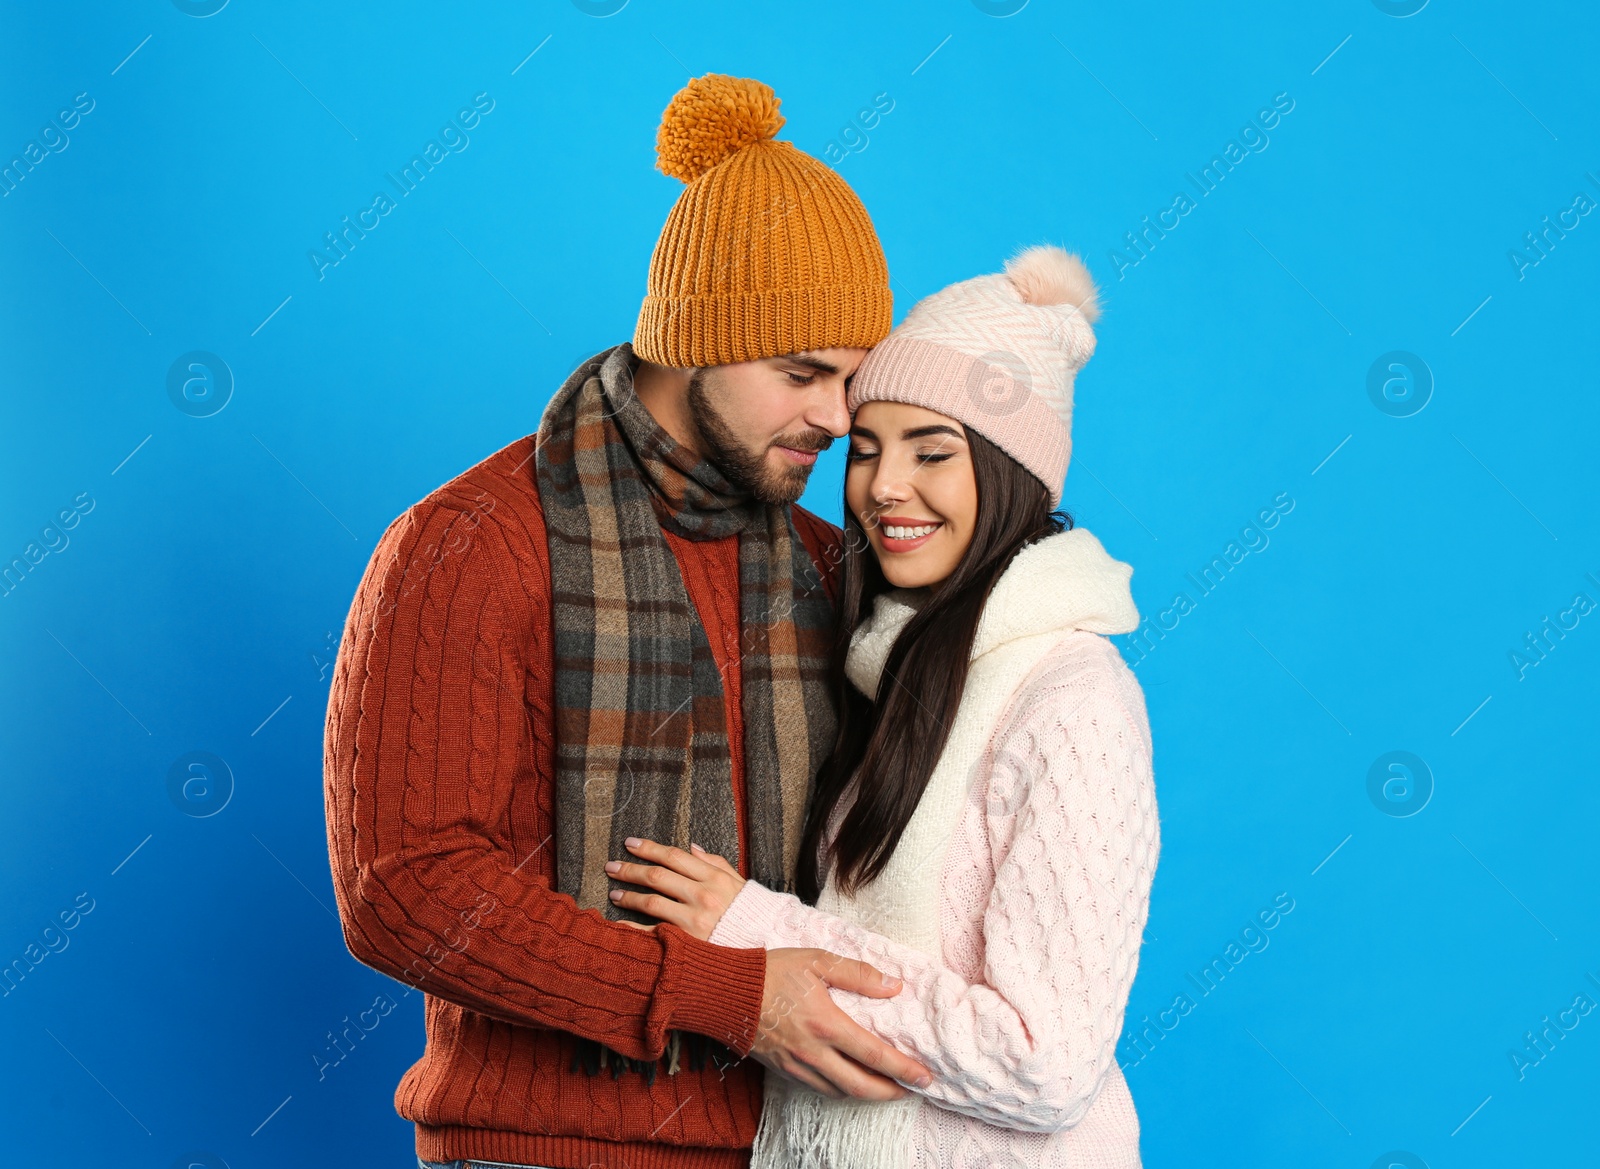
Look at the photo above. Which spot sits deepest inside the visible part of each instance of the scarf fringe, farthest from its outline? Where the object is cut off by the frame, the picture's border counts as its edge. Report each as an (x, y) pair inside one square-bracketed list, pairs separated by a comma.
[(593, 1057), (800, 1129)]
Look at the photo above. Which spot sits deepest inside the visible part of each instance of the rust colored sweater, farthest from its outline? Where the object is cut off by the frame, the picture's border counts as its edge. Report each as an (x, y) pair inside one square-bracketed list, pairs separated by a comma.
[(439, 780)]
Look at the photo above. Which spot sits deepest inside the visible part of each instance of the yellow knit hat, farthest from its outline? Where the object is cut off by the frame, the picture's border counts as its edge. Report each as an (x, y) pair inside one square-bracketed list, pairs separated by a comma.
[(766, 252)]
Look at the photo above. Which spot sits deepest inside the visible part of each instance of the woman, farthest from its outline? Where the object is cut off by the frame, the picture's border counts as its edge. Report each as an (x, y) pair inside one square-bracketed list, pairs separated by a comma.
[(985, 828)]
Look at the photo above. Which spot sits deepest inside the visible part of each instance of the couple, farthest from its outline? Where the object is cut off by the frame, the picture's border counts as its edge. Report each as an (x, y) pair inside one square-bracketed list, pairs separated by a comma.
[(713, 834)]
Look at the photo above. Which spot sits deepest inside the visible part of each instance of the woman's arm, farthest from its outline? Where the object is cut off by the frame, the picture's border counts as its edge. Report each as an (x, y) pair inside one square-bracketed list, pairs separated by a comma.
[(1071, 819)]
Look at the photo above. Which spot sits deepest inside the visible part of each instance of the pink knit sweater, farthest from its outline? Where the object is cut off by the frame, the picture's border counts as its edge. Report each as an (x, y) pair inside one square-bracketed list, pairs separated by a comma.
[(1015, 999)]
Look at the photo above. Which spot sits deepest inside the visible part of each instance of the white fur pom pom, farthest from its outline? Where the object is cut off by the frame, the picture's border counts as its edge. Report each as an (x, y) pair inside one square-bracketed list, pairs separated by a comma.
[(1045, 274)]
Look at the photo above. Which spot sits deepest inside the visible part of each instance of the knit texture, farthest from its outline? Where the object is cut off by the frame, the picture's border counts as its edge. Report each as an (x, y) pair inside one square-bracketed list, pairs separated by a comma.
[(1019, 958), (439, 778), (766, 252), (1000, 353)]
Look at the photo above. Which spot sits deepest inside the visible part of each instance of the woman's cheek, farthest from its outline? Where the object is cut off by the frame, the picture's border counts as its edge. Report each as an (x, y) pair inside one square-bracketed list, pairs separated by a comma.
[(856, 478)]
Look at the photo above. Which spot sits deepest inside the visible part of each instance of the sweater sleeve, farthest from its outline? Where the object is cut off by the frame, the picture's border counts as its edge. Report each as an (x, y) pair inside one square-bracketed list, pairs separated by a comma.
[(429, 741), (1071, 822)]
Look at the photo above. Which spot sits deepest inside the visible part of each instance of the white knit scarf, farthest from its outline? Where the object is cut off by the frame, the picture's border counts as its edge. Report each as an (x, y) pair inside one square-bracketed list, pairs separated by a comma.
[(1062, 583)]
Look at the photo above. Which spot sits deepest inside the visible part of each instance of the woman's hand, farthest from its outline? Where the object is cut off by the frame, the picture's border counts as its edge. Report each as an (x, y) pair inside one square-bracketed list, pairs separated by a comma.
[(692, 889)]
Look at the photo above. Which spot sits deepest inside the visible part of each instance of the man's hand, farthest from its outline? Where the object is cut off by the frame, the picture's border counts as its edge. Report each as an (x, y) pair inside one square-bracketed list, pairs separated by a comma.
[(805, 1035)]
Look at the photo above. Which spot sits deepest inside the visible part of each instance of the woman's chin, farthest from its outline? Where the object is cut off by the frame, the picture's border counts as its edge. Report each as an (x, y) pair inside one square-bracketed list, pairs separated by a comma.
[(903, 573)]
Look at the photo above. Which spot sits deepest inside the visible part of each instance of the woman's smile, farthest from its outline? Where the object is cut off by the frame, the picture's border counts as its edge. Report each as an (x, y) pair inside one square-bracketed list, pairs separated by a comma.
[(898, 535)]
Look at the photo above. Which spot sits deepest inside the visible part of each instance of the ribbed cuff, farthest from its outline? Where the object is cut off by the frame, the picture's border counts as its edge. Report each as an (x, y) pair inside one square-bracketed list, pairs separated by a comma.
[(691, 331), (750, 916), (714, 990), (994, 394), (461, 1142)]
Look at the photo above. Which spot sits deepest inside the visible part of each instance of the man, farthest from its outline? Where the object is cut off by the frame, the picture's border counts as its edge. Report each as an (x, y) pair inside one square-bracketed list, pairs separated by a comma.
[(619, 627)]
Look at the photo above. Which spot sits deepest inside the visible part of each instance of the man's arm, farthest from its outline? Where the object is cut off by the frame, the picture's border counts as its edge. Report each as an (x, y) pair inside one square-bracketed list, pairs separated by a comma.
[(428, 742)]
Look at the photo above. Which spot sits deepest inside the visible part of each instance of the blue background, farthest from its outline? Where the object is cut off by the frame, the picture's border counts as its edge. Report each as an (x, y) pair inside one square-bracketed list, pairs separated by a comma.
[(194, 602)]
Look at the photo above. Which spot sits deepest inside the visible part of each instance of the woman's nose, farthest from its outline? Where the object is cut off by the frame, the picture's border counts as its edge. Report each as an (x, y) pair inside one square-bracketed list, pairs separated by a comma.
[(888, 489)]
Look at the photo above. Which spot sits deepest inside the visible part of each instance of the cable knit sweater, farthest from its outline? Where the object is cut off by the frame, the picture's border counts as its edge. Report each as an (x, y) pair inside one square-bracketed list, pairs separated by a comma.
[(439, 779), (1040, 824)]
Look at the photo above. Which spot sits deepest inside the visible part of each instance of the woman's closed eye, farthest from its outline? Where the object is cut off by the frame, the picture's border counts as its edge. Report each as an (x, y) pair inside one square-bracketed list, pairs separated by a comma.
[(860, 454)]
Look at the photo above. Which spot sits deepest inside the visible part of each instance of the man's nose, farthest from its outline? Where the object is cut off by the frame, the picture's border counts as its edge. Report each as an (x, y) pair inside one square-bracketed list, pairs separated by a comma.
[(829, 412)]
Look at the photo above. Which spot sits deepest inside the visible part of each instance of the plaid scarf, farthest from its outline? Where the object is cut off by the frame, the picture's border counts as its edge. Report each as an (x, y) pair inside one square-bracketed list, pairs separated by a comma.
[(641, 740)]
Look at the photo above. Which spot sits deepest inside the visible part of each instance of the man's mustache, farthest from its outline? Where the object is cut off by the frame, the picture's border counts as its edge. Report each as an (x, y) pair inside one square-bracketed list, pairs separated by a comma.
[(811, 440)]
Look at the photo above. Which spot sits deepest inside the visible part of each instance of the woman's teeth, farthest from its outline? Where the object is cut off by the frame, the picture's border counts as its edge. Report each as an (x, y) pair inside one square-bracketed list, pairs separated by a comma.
[(896, 532)]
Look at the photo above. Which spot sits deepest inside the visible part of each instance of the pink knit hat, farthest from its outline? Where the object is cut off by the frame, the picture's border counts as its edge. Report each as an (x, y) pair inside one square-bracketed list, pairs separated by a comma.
[(998, 353)]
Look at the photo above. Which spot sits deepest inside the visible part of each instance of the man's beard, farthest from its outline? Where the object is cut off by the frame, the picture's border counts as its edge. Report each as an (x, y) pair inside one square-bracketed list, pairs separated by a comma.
[(744, 467)]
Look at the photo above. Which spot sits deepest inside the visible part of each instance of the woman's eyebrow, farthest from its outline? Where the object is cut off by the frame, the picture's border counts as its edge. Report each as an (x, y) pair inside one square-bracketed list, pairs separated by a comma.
[(925, 431), (862, 431)]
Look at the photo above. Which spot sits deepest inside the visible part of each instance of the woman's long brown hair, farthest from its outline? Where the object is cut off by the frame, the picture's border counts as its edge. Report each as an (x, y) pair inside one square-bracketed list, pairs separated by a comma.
[(894, 743)]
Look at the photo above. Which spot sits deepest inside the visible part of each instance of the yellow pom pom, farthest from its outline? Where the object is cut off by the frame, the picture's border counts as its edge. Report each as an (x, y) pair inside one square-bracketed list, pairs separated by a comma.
[(709, 119)]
